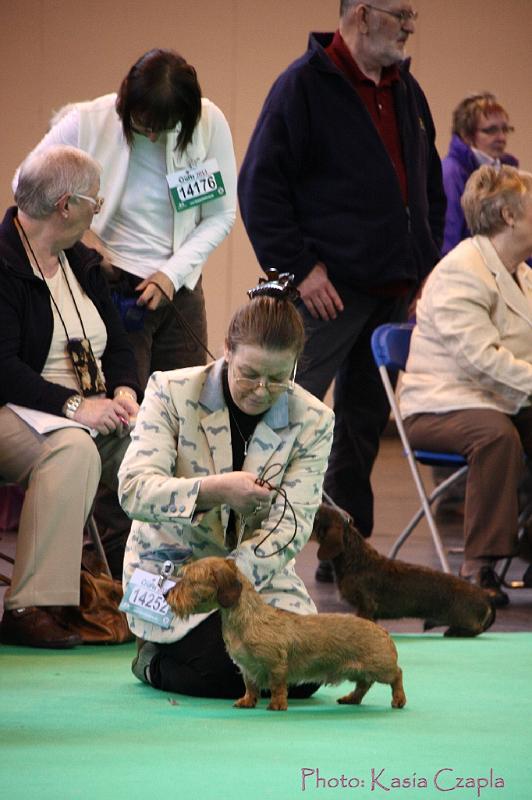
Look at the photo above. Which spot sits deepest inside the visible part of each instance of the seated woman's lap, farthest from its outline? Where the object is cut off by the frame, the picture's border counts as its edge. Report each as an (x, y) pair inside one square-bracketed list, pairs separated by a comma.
[(22, 448), (466, 431)]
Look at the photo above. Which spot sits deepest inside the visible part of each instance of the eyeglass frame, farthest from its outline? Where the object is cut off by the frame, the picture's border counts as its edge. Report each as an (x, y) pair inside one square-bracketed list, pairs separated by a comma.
[(272, 387), (491, 130), (144, 130), (96, 202), (401, 16)]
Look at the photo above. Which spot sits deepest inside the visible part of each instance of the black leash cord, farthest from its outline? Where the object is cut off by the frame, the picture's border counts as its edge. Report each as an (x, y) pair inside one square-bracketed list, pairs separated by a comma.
[(262, 480), (182, 321)]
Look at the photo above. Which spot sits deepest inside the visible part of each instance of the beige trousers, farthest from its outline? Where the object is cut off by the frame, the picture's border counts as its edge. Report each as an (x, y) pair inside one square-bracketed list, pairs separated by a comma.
[(60, 472)]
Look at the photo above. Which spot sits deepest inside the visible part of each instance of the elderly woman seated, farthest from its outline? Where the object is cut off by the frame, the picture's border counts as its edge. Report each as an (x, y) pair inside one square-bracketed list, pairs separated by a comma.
[(64, 361), (468, 381)]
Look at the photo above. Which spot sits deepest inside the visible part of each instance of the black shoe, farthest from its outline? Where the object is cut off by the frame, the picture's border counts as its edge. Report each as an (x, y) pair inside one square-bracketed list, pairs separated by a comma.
[(36, 627), (325, 572), (488, 580)]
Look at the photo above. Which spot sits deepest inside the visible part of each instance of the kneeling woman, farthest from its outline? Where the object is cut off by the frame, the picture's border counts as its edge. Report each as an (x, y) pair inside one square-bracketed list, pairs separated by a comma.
[(192, 477)]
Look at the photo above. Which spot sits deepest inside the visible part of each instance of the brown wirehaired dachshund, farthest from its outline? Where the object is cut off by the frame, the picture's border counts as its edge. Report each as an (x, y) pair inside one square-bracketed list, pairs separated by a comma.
[(382, 588), (274, 648)]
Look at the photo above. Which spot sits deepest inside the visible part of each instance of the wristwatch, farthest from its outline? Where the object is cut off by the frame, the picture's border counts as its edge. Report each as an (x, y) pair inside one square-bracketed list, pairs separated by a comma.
[(72, 405)]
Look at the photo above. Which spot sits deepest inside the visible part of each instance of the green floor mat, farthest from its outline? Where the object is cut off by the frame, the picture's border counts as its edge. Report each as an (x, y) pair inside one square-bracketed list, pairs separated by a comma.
[(78, 726)]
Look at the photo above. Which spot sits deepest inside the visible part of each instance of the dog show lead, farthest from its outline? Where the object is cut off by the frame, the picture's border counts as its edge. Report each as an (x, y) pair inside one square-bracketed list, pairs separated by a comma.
[(220, 453)]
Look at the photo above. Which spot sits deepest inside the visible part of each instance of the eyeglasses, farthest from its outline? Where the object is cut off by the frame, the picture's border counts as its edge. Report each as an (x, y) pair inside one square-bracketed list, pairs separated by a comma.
[(491, 130), (96, 202), (401, 16), (273, 387), (144, 130)]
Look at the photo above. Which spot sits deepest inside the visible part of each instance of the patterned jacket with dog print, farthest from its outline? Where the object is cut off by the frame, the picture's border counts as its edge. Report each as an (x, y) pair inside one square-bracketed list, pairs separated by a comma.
[(182, 434)]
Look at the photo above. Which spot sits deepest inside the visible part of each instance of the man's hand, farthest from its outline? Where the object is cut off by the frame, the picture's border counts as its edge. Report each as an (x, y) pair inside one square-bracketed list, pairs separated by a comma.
[(319, 295), (151, 296)]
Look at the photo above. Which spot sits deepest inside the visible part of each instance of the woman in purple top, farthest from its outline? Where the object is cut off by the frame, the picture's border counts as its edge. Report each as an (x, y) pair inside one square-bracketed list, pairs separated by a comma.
[(480, 131)]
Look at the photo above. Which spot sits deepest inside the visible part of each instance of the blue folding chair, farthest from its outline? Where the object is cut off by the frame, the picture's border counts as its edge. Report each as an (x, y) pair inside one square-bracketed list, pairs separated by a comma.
[(390, 345)]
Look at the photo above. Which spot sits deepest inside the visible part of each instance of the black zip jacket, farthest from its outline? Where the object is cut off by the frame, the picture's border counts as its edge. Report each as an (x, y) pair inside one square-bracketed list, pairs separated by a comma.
[(26, 326), (317, 183)]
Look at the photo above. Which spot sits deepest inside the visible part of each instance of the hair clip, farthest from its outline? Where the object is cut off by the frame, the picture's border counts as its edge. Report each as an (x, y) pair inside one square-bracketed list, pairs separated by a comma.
[(277, 285)]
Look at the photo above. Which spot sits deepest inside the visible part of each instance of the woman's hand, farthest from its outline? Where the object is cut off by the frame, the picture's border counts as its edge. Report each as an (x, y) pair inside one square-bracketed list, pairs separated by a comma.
[(237, 489), (127, 397), (151, 296), (104, 415)]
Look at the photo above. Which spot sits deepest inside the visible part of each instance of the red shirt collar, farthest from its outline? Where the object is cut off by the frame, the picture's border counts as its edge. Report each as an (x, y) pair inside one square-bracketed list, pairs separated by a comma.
[(339, 54)]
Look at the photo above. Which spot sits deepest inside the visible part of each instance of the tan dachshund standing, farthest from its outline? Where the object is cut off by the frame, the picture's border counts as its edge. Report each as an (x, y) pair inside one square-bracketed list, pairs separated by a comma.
[(275, 648)]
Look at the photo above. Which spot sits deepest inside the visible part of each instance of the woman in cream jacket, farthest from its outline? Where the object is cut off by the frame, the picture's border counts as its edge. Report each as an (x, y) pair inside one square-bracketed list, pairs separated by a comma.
[(189, 480), (468, 381)]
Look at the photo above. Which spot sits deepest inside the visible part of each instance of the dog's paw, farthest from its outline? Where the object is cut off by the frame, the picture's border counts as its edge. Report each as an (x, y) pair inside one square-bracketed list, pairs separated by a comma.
[(246, 702), (277, 705), (461, 632), (351, 699), (398, 698)]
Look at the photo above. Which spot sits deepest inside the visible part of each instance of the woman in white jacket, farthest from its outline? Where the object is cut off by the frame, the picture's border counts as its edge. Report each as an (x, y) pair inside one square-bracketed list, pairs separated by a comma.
[(468, 381), (157, 133)]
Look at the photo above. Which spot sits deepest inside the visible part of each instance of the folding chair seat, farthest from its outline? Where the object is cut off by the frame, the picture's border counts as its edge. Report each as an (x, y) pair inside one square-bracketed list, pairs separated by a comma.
[(390, 345)]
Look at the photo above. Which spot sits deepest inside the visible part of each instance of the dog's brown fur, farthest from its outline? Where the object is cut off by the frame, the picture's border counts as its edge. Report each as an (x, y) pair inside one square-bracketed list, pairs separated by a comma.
[(274, 648), (381, 588)]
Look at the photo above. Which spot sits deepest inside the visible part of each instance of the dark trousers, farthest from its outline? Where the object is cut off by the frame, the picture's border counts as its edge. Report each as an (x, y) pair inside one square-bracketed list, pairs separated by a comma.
[(161, 344), (493, 445), (198, 665), (341, 349)]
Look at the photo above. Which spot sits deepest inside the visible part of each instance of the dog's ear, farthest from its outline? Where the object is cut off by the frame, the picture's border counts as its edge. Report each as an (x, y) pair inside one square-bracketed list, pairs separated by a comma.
[(228, 586), (331, 547)]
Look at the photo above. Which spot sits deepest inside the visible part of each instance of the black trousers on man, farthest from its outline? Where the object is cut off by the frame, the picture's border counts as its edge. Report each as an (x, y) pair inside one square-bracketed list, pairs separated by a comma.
[(340, 349)]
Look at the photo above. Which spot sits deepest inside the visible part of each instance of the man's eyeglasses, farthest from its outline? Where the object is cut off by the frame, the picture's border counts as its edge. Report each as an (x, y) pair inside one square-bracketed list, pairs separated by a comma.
[(491, 130), (401, 16), (96, 202)]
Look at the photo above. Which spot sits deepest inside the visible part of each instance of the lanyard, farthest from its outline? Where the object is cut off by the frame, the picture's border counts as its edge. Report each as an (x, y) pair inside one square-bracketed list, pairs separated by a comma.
[(61, 264)]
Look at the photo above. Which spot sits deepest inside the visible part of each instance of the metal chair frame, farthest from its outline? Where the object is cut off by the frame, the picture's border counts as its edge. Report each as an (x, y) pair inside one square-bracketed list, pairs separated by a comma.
[(390, 344)]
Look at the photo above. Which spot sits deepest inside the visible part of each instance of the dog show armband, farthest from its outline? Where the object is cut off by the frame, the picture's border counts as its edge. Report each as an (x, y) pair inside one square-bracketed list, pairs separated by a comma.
[(144, 598)]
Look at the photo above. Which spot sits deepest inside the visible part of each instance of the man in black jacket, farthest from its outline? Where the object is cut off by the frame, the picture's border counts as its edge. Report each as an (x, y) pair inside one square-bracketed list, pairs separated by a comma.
[(341, 185)]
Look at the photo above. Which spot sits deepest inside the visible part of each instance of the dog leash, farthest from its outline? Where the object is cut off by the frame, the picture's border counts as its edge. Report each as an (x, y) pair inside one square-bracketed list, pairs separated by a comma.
[(348, 519), (182, 321), (265, 480)]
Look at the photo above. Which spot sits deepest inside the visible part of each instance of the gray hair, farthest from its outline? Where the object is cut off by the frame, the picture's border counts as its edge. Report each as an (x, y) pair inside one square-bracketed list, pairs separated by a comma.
[(345, 5), (488, 191), (47, 176)]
